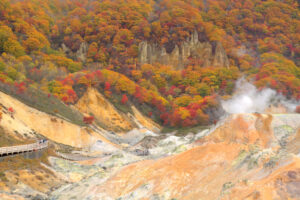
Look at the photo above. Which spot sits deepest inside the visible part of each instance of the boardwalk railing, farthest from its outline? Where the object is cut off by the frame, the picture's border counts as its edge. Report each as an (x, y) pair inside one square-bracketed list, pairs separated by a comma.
[(22, 148)]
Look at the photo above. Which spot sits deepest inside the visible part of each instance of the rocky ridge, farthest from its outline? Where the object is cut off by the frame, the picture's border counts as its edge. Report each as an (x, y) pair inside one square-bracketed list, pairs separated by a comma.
[(211, 54)]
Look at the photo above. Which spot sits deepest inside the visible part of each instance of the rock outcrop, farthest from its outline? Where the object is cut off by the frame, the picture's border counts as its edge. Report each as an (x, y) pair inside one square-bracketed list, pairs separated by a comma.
[(210, 54), (144, 121), (104, 112), (80, 54), (109, 117)]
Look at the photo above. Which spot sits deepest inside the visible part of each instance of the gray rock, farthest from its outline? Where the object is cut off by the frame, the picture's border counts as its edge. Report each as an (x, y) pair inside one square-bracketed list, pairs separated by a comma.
[(211, 54)]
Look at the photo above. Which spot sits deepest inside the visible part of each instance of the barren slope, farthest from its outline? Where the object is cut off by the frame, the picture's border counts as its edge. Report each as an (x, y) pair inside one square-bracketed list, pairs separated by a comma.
[(250, 156), (26, 121), (94, 102)]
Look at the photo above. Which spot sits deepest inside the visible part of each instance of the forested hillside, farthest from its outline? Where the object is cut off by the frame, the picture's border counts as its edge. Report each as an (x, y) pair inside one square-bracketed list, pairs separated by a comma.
[(63, 47)]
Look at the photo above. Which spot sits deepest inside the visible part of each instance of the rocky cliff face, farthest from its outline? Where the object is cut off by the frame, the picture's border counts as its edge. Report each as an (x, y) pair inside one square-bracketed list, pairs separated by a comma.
[(109, 117), (80, 54), (210, 54), (94, 102), (144, 121)]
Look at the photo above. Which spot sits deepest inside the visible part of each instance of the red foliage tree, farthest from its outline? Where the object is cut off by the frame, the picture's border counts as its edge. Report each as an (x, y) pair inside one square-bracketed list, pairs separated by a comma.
[(11, 110), (124, 99), (188, 122), (175, 119), (297, 109), (21, 87), (65, 99), (99, 75), (138, 94), (160, 107), (72, 96), (88, 119), (165, 118), (223, 84), (107, 86)]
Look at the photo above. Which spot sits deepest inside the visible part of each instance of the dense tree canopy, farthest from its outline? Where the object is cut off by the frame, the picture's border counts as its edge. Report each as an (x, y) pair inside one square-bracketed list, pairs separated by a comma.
[(41, 42)]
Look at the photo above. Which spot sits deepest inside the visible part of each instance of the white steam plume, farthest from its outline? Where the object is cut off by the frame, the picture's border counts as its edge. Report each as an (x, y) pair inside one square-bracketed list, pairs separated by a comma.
[(247, 99)]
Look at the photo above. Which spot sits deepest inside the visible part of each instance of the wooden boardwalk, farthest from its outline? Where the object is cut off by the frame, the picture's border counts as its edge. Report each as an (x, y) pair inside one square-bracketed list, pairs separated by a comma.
[(5, 151)]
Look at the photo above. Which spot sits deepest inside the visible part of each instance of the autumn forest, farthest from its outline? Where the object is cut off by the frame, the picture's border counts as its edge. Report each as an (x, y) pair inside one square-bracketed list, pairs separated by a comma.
[(61, 48)]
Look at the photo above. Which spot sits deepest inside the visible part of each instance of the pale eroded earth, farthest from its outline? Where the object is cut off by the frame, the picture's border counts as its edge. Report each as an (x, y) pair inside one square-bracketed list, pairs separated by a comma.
[(245, 156)]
